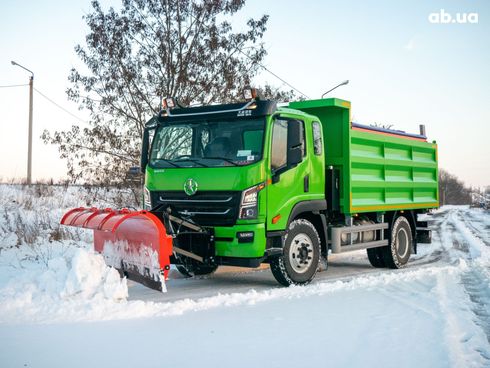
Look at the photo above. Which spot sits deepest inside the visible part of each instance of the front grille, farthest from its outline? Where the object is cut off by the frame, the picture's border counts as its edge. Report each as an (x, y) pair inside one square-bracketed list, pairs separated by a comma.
[(206, 208)]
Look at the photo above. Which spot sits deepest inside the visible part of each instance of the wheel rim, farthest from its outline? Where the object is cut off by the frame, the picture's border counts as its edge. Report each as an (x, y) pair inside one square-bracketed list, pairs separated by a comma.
[(402, 242), (301, 253)]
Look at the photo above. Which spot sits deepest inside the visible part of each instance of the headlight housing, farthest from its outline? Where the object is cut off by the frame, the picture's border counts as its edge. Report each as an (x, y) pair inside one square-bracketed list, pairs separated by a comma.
[(249, 205), (146, 199)]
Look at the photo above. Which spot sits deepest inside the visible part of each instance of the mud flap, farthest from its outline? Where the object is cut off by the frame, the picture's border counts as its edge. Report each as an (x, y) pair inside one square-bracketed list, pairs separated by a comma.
[(134, 242)]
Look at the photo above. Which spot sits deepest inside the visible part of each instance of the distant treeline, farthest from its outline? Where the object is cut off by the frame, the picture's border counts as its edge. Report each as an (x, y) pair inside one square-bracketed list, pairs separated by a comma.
[(453, 191)]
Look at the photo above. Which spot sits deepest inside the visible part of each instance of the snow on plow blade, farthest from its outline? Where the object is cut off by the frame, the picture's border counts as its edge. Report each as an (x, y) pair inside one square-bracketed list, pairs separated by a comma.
[(134, 242)]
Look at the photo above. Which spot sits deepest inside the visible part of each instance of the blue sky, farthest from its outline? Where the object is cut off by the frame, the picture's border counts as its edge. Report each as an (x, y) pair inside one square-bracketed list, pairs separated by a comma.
[(403, 70)]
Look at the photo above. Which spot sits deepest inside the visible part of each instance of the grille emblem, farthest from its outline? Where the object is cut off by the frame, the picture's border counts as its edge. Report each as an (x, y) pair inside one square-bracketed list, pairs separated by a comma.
[(190, 187)]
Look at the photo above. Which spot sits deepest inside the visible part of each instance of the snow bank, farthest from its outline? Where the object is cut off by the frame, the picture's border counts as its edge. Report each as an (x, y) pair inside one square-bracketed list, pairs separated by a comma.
[(89, 277), (48, 269), (68, 287)]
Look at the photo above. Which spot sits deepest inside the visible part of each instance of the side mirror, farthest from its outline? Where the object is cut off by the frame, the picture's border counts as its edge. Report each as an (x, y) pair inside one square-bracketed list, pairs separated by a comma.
[(295, 156), (145, 146), (134, 171), (295, 133), (133, 175)]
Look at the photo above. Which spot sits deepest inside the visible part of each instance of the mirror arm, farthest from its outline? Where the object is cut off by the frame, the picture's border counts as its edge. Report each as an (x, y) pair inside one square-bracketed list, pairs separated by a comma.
[(276, 174)]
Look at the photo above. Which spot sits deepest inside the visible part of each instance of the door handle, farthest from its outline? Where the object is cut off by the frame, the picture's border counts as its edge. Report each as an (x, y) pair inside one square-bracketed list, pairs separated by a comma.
[(306, 183)]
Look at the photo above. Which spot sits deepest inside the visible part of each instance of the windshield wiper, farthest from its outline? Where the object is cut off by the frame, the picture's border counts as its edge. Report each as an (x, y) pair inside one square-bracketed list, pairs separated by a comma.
[(191, 160), (221, 158), (167, 161)]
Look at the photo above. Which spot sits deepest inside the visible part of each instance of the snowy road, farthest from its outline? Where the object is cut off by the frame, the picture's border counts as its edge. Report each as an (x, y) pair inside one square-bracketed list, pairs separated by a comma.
[(340, 267), (435, 313), (234, 279)]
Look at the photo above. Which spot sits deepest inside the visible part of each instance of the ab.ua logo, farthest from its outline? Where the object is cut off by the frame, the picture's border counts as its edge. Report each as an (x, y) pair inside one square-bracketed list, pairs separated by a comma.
[(446, 18)]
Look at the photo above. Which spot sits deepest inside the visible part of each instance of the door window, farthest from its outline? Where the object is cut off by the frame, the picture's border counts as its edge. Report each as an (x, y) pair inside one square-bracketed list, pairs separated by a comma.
[(317, 138), (279, 144)]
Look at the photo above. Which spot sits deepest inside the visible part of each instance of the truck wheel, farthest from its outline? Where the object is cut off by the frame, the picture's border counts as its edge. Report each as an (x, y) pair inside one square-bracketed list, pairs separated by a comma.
[(204, 270), (396, 255), (196, 270), (375, 256), (298, 263)]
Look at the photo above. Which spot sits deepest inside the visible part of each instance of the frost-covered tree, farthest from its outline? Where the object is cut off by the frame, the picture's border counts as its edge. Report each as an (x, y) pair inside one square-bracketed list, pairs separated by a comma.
[(146, 50)]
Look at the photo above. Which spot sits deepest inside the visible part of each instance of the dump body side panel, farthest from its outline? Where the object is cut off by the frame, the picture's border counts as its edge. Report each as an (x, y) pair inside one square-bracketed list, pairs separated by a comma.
[(390, 173), (378, 171)]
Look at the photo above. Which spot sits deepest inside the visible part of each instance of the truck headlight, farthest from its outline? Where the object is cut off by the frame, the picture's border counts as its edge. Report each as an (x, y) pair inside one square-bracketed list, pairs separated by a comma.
[(146, 199), (249, 208)]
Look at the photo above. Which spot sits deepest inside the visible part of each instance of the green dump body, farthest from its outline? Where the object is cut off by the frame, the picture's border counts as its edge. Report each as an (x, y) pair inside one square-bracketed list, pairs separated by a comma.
[(379, 171)]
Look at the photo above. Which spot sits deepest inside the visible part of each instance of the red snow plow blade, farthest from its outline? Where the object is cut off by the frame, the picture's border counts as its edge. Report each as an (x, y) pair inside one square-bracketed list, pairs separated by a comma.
[(134, 242)]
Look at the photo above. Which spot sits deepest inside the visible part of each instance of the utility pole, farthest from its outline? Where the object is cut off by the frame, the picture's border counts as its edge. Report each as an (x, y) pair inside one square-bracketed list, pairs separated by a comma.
[(29, 142), (29, 146)]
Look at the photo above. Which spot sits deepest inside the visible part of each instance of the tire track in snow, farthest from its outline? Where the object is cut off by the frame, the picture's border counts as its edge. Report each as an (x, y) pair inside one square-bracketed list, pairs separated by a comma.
[(466, 314), (443, 231), (478, 290), (474, 230), (480, 219), (464, 340), (475, 280)]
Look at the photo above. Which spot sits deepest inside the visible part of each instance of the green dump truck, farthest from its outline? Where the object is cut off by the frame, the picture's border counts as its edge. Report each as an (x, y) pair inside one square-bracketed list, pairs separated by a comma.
[(249, 183)]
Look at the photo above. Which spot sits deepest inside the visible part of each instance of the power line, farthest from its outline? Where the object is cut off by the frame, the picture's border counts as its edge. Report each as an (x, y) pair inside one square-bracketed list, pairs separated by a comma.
[(14, 85), (274, 74), (59, 106)]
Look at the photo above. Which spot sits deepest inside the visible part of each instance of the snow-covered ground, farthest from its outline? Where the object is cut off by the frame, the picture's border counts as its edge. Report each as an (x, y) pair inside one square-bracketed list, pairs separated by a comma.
[(61, 306)]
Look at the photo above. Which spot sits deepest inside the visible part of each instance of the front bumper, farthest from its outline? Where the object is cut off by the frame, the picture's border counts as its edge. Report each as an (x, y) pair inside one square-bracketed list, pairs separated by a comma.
[(227, 243)]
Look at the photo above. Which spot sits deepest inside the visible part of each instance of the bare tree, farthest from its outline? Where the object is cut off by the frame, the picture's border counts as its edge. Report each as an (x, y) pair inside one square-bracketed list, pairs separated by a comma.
[(147, 50), (452, 190)]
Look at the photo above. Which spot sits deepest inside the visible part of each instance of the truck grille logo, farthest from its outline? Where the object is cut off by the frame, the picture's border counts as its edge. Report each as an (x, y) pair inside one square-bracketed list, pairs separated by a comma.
[(190, 187)]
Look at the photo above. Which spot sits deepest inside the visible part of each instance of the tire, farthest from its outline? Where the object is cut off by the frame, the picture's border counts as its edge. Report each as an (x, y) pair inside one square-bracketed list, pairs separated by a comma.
[(396, 255), (196, 270), (375, 256), (204, 270), (301, 255)]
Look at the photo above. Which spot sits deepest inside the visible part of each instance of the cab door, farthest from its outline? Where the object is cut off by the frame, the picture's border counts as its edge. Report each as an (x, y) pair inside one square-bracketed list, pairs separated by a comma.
[(289, 169)]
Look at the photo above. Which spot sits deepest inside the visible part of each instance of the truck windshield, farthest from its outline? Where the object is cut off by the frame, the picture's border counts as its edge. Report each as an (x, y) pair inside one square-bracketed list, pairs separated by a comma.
[(208, 144)]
